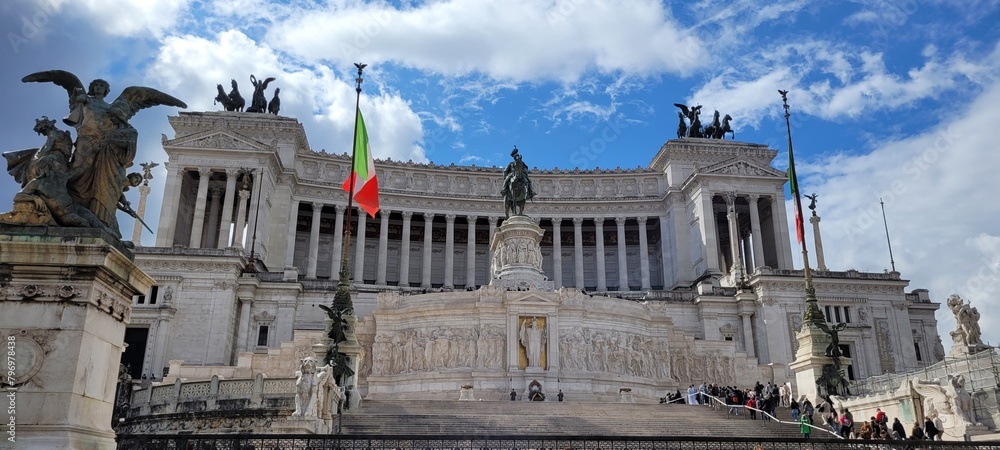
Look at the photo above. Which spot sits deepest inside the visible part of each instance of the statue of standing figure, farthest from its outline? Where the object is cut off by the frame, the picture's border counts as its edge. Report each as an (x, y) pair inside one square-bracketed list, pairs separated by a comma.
[(532, 338)]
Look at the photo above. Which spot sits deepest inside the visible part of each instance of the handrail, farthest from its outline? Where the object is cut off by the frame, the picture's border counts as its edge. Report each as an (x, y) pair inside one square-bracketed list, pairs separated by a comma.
[(762, 412)]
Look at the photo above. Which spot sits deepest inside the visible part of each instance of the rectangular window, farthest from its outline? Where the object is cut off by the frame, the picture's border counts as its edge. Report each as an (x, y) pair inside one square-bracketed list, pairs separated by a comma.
[(730, 338), (916, 348), (836, 312), (262, 336), (140, 299), (153, 293), (847, 315), (829, 317)]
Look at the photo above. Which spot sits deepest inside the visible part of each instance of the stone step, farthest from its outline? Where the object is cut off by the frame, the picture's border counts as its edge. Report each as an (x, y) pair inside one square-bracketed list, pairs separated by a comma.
[(553, 419)]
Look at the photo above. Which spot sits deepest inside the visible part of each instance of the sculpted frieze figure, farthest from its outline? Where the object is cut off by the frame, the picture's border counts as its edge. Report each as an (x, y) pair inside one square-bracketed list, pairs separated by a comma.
[(105, 146)]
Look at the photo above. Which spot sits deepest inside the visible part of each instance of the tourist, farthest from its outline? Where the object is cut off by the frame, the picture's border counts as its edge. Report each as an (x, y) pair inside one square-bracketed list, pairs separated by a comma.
[(794, 406), (804, 426), (846, 425), (808, 410), (752, 407), (916, 433), (931, 430), (692, 395), (866, 430), (880, 416), (897, 429)]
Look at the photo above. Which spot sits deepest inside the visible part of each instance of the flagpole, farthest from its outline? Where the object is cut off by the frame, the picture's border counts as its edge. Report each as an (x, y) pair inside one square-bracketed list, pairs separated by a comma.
[(342, 300), (812, 314), (887, 241)]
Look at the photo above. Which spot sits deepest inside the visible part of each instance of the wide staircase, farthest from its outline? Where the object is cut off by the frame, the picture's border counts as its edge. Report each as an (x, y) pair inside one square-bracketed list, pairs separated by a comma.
[(499, 418)]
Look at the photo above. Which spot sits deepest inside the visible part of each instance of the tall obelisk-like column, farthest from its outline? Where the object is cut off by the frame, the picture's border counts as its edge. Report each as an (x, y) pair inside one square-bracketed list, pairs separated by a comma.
[(147, 174), (814, 220)]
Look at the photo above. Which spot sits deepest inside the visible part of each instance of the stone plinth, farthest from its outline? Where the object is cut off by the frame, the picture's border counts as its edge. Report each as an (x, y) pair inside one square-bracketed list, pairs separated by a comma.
[(810, 360), (517, 256), (66, 298)]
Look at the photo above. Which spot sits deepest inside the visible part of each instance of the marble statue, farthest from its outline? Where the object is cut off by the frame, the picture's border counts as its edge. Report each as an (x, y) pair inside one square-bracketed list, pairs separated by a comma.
[(532, 337), (946, 399), (517, 188), (105, 146), (967, 336), (305, 387)]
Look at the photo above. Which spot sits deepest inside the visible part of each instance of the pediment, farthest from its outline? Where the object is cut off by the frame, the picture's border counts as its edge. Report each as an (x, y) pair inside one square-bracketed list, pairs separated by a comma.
[(534, 297), (742, 167), (218, 139)]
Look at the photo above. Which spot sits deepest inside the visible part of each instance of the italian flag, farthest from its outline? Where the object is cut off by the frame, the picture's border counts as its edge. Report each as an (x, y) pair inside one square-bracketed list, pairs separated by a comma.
[(363, 176), (793, 183)]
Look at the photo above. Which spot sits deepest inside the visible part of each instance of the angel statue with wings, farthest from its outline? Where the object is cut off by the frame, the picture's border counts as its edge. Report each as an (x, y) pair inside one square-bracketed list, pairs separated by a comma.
[(105, 143)]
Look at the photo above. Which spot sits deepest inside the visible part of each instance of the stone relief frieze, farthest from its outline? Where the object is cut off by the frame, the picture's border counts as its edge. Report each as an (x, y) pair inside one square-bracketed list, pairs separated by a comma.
[(689, 366), (614, 352), (187, 266), (420, 350), (885, 350)]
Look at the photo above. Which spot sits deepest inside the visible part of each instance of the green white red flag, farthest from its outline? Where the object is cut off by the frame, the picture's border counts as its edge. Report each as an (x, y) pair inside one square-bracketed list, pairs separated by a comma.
[(793, 183), (363, 175)]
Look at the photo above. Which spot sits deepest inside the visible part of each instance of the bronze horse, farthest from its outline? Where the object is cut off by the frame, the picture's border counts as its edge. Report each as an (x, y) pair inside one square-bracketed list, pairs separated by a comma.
[(513, 202)]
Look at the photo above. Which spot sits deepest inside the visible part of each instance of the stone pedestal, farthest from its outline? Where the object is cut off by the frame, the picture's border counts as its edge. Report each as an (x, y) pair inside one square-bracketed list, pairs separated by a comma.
[(66, 298), (810, 360), (517, 256), (466, 393)]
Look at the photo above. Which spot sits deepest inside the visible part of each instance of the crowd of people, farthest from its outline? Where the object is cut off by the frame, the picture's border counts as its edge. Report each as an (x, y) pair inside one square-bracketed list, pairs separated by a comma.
[(763, 401)]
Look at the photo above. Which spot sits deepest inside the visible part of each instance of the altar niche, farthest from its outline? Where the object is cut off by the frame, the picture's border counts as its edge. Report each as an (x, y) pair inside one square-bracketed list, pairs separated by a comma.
[(532, 338)]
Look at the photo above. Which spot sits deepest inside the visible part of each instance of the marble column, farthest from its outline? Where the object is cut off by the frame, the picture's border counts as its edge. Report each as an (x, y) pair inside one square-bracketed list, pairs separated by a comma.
[(782, 239), (470, 253), (578, 250), (622, 260), (359, 247), (198, 222), (602, 273), (161, 341), (141, 212), (227, 209), (711, 234), (758, 243), (313, 260), (383, 245), (449, 251), (747, 335), (557, 252), (489, 253), (818, 239), (404, 251), (241, 219), (748, 262), (337, 253), (244, 330), (643, 254), (208, 237), (736, 269), (293, 222), (168, 211), (425, 269), (683, 270), (665, 253)]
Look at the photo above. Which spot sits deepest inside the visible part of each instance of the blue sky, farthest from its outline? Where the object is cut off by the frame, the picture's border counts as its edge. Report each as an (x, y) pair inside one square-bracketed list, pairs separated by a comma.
[(890, 98)]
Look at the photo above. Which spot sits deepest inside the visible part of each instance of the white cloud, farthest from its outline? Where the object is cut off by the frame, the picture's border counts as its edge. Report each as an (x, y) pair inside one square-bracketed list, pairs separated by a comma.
[(513, 40), (128, 17), (936, 187), (191, 66)]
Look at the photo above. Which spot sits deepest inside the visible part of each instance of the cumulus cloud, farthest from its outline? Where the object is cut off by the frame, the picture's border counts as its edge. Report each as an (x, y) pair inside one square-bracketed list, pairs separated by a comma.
[(323, 100), (127, 18), (523, 40)]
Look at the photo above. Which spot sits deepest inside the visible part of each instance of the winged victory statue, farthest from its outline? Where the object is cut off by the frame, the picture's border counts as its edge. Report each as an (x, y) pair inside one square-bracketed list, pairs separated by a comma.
[(105, 147)]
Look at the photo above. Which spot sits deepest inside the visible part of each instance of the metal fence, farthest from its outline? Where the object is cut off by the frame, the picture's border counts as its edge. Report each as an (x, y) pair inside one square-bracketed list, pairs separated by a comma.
[(346, 442), (982, 372)]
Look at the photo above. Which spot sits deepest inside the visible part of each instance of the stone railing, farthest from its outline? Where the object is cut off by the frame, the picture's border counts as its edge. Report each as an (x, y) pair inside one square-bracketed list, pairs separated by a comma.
[(214, 395)]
